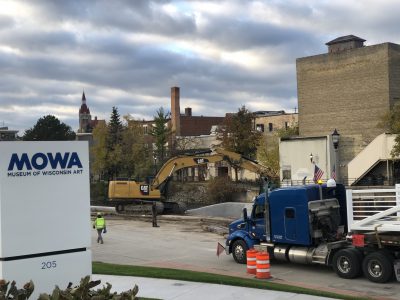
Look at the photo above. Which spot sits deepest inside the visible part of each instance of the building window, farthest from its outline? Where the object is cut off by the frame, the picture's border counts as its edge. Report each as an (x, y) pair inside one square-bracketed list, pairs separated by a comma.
[(145, 129), (260, 127), (270, 127), (286, 174)]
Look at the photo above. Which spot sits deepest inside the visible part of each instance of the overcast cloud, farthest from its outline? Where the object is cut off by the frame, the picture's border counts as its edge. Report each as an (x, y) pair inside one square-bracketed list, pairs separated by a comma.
[(128, 54)]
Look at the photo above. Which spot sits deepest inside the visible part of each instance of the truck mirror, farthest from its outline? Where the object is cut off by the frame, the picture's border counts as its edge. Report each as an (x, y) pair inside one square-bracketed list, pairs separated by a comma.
[(244, 214)]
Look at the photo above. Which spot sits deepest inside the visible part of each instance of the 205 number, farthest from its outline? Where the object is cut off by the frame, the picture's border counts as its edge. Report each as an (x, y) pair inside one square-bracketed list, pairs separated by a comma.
[(49, 264)]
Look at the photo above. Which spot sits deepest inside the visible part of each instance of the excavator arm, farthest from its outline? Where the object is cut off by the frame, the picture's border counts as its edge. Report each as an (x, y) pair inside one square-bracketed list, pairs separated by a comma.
[(184, 161), (126, 192)]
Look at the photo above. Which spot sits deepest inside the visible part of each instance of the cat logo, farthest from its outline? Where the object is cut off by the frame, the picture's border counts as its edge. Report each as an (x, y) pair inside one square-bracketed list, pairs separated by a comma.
[(144, 189), (200, 160)]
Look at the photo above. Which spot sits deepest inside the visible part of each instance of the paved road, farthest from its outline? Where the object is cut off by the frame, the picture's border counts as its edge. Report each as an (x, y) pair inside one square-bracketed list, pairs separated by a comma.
[(185, 245)]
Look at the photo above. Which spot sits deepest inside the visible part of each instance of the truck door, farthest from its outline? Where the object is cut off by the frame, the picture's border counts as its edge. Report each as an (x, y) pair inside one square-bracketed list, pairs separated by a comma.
[(258, 222), (290, 223)]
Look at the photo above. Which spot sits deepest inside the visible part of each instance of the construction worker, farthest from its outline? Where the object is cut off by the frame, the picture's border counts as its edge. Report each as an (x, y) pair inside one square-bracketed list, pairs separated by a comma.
[(154, 214), (100, 225)]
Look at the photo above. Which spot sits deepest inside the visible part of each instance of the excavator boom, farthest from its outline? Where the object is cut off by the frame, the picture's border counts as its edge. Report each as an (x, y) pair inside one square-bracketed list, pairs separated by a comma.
[(131, 192), (185, 161)]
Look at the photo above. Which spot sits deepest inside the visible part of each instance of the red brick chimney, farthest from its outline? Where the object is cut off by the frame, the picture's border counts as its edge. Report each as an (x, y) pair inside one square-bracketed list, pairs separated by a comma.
[(175, 111), (188, 111)]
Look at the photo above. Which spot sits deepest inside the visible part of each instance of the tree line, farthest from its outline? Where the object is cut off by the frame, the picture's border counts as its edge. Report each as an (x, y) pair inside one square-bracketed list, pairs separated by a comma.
[(121, 148)]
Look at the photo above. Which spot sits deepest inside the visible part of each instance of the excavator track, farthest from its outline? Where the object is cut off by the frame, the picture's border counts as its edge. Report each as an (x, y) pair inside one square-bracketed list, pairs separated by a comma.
[(144, 207)]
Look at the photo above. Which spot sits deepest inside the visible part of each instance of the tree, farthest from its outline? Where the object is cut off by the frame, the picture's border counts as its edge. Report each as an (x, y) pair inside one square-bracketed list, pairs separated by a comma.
[(288, 132), (49, 128), (99, 150), (135, 151), (115, 129), (268, 151), (390, 121), (126, 154), (162, 133), (114, 162), (239, 134)]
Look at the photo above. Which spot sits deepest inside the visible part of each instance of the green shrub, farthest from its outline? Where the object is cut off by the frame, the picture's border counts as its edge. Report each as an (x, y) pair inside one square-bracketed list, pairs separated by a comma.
[(99, 191), (82, 292), (222, 189)]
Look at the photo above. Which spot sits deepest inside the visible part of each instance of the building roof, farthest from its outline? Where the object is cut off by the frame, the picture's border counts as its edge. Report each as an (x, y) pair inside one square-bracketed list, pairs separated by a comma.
[(198, 125), (265, 113), (343, 39)]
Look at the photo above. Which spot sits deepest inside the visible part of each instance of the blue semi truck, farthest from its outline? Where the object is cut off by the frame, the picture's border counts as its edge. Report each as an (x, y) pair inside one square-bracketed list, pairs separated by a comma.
[(308, 224)]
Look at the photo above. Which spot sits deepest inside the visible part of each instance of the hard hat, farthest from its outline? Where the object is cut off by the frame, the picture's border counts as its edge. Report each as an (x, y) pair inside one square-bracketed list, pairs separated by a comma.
[(319, 181), (331, 183), (99, 213)]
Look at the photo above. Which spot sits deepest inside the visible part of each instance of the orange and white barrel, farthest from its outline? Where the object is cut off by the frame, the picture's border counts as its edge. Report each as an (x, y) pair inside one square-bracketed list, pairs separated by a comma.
[(251, 261), (262, 265)]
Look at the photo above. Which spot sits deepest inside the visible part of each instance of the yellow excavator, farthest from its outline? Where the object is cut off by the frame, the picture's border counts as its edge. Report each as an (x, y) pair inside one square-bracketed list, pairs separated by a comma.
[(128, 192)]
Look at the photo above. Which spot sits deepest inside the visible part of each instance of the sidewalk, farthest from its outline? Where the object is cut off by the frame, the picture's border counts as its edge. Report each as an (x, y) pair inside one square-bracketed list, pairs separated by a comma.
[(168, 289)]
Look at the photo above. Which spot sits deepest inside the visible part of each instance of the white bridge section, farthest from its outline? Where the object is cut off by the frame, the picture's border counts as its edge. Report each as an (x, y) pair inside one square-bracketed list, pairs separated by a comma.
[(378, 150), (374, 209)]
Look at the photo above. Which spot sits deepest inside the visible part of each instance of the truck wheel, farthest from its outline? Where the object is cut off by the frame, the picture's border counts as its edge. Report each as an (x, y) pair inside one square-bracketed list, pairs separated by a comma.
[(119, 208), (378, 266), (347, 263), (239, 249)]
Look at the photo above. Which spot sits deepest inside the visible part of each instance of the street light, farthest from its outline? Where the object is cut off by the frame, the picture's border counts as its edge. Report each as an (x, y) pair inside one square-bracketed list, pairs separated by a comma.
[(155, 162), (335, 140)]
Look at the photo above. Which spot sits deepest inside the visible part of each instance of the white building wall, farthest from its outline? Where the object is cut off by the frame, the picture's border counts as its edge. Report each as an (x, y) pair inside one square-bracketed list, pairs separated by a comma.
[(294, 156)]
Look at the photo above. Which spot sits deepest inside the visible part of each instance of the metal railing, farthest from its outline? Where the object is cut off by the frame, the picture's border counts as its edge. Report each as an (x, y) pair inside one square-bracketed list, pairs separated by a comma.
[(364, 183), (370, 209)]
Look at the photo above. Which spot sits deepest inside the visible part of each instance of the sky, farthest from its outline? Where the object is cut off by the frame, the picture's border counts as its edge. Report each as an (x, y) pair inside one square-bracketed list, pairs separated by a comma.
[(129, 53)]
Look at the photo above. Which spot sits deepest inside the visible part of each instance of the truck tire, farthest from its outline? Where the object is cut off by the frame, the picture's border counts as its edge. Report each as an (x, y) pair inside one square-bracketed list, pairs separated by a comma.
[(239, 249), (378, 266), (347, 263)]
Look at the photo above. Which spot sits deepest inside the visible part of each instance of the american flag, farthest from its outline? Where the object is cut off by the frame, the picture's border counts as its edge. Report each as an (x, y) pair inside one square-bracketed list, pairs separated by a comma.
[(334, 172), (317, 173)]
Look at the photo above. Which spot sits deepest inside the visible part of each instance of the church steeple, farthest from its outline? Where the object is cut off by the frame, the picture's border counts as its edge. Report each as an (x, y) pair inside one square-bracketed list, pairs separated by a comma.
[(84, 109), (85, 118)]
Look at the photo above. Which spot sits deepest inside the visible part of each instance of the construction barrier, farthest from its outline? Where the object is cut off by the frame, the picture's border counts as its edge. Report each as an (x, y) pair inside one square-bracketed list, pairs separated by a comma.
[(251, 261), (262, 265)]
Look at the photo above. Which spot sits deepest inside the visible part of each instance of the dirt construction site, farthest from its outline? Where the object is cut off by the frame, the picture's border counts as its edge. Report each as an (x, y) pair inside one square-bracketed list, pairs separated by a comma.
[(189, 242)]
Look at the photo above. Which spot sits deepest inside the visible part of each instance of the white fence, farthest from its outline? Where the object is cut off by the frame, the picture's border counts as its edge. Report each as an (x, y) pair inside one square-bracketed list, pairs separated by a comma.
[(373, 209)]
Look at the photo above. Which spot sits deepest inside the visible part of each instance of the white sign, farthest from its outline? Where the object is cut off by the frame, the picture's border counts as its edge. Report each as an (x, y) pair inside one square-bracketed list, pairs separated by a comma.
[(44, 209)]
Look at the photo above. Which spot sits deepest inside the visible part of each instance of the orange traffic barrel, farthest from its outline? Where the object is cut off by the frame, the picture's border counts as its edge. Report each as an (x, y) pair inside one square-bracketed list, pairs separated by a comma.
[(251, 261), (263, 267)]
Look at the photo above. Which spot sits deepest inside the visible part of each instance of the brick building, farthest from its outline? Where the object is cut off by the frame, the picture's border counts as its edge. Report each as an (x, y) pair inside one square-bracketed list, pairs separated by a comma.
[(186, 124), (191, 133), (349, 88), (86, 124), (269, 122)]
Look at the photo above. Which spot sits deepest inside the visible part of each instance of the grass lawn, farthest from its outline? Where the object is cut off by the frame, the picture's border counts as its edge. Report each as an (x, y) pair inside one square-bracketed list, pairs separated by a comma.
[(112, 269)]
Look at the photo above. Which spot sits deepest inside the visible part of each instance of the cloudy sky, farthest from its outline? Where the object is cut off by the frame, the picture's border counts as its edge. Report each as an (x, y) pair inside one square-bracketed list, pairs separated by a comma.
[(128, 54)]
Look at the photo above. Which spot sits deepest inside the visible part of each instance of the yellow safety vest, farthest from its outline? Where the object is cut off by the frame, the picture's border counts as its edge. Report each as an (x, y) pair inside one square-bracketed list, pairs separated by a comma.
[(100, 223)]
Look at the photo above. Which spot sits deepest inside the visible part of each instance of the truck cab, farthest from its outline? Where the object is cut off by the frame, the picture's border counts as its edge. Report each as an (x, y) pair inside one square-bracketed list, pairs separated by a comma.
[(303, 217), (247, 231), (308, 225)]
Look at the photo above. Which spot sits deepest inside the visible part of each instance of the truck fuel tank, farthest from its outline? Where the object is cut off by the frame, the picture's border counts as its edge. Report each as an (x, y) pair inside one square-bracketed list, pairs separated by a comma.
[(300, 255)]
